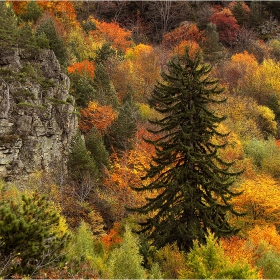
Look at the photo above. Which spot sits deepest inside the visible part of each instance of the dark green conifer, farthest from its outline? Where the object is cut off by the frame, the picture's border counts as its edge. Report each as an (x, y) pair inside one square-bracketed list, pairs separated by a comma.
[(123, 129), (55, 42), (80, 162), (95, 144), (105, 92), (192, 183), (33, 12), (26, 38), (8, 25)]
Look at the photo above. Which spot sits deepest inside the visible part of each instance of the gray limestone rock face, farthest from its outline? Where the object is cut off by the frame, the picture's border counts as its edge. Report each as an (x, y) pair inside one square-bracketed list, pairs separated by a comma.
[(37, 114)]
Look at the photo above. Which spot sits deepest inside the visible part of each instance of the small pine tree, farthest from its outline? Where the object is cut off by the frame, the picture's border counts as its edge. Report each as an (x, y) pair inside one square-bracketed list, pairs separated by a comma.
[(105, 92), (212, 48), (123, 129), (269, 261), (82, 88), (8, 25), (29, 240), (82, 248), (103, 53), (192, 185), (94, 144), (80, 162), (125, 262)]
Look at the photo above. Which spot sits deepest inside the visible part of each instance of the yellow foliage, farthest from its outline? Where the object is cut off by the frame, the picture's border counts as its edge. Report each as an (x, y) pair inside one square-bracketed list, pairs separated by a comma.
[(76, 39), (260, 200), (263, 81), (267, 120), (242, 113), (138, 51)]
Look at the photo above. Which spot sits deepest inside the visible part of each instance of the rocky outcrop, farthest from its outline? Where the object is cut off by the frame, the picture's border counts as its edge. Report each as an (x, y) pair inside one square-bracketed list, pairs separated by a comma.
[(37, 114)]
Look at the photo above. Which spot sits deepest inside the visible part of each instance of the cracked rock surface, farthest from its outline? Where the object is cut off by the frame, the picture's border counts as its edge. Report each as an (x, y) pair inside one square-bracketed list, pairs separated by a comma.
[(37, 114)]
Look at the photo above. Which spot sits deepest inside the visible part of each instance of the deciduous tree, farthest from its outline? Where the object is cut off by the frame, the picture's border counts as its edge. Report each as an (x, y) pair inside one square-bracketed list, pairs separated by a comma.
[(227, 26)]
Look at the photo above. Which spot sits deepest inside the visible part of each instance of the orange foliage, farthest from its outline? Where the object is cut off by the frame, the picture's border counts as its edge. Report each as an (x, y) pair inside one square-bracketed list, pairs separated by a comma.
[(113, 237), (113, 33), (244, 59), (267, 233), (126, 172), (85, 67), (192, 46), (19, 6), (97, 116), (186, 32), (63, 10), (238, 249)]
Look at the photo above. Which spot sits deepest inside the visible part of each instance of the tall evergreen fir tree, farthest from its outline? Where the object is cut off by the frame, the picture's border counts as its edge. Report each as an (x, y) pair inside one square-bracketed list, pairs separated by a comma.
[(193, 185)]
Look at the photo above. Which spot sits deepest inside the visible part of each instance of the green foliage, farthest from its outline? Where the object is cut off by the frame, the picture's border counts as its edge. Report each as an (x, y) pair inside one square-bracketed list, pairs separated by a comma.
[(84, 249), (105, 92), (30, 239), (94, 144), (212, 48), (125, 262), (8, 25), (26, 38), (33, 12), (88, 25), (124, 128), (209, 262), (266, 121), (55, 42), (82, 88), (155, 272), (80, 162), (103, 53), (269, 261), (42, 41), (265, 155), (275, 45), (192, 185)]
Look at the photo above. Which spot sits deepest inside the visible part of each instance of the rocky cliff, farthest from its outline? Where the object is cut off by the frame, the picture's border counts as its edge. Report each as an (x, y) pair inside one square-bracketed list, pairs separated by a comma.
[(37, 114)]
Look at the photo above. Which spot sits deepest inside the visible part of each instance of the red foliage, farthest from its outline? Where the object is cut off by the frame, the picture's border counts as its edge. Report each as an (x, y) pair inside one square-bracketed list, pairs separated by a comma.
[(227, 26)]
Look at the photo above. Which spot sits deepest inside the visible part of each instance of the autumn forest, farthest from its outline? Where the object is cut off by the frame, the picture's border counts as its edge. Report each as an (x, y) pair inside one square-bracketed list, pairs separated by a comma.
[(174, 170)]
